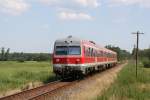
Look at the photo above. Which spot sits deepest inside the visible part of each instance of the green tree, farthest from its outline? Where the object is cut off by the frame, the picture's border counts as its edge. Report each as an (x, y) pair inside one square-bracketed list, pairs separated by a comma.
[(121, 54), (6, 55), (2, 54)]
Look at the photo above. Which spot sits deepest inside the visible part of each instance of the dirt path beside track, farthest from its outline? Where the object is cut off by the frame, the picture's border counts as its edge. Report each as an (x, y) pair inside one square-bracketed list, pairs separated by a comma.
[(89, 88)]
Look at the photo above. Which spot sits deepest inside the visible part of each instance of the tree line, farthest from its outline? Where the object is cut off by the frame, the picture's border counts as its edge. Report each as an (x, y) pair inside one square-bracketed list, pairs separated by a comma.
[(121, 54), (144, 56), (5, 55), (145, 53)]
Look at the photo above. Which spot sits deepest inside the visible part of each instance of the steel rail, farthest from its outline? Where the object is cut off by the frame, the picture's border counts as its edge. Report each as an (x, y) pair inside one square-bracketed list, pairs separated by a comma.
[(27, 94)]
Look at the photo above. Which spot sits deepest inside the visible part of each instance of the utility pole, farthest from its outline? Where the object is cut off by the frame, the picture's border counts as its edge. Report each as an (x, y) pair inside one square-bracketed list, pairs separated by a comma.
[(137, 49)]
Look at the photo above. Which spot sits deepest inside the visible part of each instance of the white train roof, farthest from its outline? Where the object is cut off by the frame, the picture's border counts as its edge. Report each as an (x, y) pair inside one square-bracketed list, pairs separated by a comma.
[(68, 41), (77, 41), (69, 38)]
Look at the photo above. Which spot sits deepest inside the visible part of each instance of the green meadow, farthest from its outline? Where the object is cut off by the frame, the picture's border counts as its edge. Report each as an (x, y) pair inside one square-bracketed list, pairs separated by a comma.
[(127, 86), (14, 75)]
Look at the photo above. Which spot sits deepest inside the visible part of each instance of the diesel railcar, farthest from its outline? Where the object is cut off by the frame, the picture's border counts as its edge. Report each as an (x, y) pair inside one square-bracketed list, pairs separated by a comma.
[(73, 56)]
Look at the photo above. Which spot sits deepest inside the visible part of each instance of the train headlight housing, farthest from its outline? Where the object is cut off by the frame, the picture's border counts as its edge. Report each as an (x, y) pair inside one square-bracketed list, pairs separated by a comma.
[(57, 60), (78, 60)]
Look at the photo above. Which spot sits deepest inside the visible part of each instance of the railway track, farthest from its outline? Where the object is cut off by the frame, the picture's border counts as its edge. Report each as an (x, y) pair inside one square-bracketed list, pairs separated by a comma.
[(54, 94), (37, 92)]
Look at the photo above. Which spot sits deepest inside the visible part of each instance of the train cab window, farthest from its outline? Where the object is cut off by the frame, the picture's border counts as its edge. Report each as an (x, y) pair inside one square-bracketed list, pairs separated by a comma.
[(74, 50), (61, 50), (68, 50)]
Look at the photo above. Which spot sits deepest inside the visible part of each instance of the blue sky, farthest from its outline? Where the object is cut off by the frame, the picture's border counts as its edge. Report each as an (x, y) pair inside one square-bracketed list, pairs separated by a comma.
[(34, 25)]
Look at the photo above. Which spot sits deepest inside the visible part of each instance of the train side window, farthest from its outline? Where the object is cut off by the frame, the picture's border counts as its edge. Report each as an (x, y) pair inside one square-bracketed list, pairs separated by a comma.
[(94, 53), (102, 53), (84, 50), (91, 52), (97, 53), (87, 52)]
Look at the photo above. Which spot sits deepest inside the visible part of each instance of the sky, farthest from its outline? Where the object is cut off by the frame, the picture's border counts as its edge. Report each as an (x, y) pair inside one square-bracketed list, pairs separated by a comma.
[(34, 25)]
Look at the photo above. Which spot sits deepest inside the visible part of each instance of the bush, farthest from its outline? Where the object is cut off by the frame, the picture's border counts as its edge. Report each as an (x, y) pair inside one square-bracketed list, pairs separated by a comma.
[(20, 59), (146, 63)]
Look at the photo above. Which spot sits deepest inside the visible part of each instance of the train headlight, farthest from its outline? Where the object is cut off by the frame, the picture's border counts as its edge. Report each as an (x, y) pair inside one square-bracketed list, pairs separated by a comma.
[(78, 60), (67, 60), (57, 60)]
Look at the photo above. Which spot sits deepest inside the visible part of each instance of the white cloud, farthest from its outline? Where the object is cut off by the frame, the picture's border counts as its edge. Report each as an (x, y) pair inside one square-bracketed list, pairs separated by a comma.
[(13, 7), (74, 16), (50, 2), (67, 9), (83, 3), (88, 3), (142, 3)]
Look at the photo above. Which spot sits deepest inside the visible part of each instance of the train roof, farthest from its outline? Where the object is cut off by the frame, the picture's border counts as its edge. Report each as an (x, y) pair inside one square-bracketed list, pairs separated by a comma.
[(98, 46), (76, 40), (69, 38), (69, 41)]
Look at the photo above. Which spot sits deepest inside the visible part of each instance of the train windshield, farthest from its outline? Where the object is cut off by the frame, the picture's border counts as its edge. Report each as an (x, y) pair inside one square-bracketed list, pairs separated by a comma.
[(68, 50)]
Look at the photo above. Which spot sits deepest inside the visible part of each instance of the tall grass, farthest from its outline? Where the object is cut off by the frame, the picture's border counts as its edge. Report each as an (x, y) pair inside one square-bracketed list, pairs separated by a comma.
[(128, 87), (14, 74)]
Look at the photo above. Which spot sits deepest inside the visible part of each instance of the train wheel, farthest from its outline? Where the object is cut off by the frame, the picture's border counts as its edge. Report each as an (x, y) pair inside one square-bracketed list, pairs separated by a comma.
[(81, 75), (56, 76)]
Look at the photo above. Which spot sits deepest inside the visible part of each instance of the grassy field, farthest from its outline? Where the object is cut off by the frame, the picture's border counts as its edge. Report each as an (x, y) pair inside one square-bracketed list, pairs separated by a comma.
[(127, 87), (15, 75)]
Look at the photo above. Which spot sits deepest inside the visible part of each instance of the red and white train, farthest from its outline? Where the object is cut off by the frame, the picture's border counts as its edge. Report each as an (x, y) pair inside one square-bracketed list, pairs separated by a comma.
[(74, 56)]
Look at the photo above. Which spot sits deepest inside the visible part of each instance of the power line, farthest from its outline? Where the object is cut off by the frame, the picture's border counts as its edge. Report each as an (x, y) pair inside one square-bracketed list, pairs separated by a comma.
[(137, 48)]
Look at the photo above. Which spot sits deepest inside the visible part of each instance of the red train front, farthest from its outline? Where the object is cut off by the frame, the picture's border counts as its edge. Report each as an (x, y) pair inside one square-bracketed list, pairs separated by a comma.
[(73, 57)]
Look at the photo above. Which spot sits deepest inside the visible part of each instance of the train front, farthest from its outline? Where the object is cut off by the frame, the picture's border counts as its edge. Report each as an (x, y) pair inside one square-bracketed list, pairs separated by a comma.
[(67, 57)]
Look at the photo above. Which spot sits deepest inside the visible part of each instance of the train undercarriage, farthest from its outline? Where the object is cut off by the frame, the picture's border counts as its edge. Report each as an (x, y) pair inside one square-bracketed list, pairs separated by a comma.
[(77, 72)]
